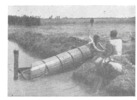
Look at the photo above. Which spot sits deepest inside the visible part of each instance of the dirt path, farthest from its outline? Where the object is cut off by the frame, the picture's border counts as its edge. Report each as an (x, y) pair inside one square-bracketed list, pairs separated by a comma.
[(57, 85)]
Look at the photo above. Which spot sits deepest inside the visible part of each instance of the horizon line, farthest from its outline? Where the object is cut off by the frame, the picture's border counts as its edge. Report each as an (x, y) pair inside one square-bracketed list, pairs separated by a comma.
[(68, 17)]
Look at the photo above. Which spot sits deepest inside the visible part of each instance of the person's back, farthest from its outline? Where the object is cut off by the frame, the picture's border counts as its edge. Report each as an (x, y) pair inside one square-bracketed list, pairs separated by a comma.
[(117, 44)]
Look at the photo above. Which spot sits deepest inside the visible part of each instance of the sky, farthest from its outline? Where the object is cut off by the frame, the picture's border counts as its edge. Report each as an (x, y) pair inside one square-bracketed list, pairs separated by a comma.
[(73, 11)]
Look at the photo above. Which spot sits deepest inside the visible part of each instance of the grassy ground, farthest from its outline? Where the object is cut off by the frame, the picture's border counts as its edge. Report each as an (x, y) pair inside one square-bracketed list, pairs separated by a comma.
[(44, 46)]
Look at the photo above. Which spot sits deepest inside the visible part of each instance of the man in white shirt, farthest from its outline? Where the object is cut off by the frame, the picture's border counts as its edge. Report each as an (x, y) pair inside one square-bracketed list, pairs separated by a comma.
[(117, 43), (117, 52)]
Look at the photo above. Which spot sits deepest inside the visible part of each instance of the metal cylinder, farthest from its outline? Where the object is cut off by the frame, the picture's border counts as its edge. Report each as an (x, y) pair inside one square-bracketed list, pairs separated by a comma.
[(60, 62)]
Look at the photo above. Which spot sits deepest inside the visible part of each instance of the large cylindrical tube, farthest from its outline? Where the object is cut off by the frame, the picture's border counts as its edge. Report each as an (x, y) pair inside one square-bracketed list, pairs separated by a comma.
[(60, 62)]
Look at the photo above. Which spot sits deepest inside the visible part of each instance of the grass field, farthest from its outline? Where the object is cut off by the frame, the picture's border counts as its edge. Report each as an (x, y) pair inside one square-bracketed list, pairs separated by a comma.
[(53, 38)]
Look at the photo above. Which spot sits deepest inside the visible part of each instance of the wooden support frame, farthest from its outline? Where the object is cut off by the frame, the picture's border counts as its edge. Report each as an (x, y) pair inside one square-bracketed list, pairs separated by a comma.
[(17, 70), (16, 65)]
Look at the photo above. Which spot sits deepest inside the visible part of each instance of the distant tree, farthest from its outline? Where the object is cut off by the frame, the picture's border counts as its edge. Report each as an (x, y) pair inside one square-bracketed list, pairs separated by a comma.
[(51, 17), (65, 17), (57, 17), (24, 20), (92, 21)]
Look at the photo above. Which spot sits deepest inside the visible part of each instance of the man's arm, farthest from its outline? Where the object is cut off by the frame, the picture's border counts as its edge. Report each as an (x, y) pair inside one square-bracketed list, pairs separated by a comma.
[(101, 46), (99, 50), (95, 47)]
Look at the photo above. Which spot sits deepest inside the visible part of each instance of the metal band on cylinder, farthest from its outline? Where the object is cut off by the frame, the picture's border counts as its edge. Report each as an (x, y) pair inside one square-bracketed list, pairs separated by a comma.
[(46, 67), (60, 61), (81, 53), (71, 57)]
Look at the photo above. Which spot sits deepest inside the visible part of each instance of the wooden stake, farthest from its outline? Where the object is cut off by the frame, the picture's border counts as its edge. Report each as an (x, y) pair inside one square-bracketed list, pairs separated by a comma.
[(16, 56)]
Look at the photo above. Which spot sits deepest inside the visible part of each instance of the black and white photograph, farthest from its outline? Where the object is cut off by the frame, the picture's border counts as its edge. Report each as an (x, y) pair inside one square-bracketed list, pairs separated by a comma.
[(71, 50)]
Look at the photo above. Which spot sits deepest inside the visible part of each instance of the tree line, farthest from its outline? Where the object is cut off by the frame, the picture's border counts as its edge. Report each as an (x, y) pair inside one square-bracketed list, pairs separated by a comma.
[(23, 20)]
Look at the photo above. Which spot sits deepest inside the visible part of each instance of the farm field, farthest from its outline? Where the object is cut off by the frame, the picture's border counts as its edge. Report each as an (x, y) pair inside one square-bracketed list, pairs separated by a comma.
[(58, 38), (82, 27)]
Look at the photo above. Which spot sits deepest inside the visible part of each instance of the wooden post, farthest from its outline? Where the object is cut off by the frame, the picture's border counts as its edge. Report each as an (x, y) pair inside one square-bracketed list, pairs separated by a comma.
[(16, 56)]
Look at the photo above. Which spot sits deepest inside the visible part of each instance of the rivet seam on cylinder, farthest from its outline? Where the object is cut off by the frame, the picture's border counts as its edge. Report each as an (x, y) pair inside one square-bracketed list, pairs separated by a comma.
[(81, 53), (71, 57), (60, 61), (46, 67)]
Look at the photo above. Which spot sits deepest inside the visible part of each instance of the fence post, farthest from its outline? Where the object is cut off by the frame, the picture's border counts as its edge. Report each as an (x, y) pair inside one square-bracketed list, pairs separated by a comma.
[(16, 56)]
